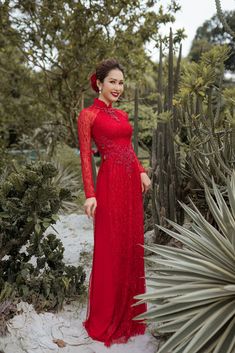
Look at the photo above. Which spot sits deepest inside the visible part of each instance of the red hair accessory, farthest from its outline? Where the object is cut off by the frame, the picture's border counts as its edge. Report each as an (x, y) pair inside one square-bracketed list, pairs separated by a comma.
[(93, 79)]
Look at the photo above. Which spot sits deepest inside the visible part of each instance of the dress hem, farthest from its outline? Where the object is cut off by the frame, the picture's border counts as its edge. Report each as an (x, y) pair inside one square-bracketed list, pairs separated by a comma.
[(119, 340)]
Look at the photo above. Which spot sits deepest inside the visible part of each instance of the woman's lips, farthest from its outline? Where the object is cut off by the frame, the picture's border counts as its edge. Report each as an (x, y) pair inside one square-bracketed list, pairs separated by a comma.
[(115, 94)]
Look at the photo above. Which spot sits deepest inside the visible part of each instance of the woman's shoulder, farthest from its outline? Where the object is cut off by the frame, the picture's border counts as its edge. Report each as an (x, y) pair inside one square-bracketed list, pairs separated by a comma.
[(88, 110), (87, 114)]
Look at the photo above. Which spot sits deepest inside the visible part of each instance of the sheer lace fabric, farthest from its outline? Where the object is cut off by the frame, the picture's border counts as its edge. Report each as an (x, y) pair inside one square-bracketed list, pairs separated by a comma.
[(107, 145), (117, 273)]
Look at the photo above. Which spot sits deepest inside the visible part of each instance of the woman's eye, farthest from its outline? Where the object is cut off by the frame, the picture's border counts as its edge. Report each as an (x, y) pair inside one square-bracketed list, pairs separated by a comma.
[(121, 83)]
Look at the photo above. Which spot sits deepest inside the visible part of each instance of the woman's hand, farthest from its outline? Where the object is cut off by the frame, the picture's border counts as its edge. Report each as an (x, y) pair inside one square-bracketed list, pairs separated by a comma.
[(145, 182), (90, 206)]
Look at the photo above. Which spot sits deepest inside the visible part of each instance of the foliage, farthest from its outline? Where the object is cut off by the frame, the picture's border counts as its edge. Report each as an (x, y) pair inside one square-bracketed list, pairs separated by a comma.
[(32, 264), (7, 311), (201, 122), (223, 20), (44, 139), (69, 161), (4, 161), (147, 119), (206, 114), (165, 164), (65, 40), (212, 33), (67, 178), (194, 287), (24, 104)]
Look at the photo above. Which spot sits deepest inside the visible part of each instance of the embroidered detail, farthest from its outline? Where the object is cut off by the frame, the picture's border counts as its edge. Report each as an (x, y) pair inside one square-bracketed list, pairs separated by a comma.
[(108, 109), (122, 153), (111, 112)]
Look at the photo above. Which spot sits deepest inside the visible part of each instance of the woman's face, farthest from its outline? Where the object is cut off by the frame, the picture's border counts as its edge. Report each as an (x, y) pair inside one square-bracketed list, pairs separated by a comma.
[(112, 87)]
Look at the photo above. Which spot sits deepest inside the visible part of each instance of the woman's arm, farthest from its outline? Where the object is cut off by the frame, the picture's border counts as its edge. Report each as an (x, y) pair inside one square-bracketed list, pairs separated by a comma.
[(84, 123)]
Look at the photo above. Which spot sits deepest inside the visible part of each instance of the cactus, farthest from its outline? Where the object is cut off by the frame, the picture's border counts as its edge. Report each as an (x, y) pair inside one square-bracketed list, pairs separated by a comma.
[(136, 112), (208, 119), (165, 165)]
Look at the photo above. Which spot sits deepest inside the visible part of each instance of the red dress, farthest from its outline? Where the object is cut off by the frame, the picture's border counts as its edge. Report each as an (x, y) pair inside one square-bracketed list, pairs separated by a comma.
[(118, 258)]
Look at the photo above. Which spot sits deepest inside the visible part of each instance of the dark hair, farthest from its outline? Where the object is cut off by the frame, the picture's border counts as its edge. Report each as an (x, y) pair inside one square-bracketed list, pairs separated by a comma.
[(102, 70), (105, 66)]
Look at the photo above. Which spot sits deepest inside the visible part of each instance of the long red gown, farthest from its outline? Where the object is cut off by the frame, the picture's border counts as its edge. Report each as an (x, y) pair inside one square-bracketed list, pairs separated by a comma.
[(118, 259)]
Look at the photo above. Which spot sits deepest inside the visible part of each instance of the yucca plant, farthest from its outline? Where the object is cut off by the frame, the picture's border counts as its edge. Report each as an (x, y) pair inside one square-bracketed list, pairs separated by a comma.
[(193, 293)]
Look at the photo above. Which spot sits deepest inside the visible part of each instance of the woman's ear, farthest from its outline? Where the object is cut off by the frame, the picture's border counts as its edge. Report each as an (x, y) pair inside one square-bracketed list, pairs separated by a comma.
[(98, 83)]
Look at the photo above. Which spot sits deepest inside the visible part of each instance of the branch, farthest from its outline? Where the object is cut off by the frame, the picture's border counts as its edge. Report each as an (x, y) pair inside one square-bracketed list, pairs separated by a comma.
[(222, 18)]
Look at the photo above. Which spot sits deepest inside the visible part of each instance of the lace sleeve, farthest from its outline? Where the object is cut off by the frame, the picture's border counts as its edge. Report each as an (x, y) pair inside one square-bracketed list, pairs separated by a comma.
[(84, 123), (141, 168)]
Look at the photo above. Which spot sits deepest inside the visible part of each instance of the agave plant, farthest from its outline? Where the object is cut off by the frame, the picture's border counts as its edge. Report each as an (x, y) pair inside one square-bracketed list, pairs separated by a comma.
[(67, 178), (193, 297)]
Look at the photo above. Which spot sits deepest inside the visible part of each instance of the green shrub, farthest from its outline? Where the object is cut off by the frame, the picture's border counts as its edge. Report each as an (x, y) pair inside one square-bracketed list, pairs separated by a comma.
[(69, 176), (31, 264)]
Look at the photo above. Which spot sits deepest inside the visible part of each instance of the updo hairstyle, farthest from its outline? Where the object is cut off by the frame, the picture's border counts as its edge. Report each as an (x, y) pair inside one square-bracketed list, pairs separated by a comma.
[(102, 70)]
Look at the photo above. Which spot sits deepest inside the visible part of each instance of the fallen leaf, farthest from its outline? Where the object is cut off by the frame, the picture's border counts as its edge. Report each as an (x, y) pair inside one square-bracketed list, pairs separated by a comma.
[(60, 343)]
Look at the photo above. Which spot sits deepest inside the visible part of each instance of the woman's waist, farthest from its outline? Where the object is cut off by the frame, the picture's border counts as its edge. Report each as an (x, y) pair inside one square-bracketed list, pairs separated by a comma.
[(118, 152)]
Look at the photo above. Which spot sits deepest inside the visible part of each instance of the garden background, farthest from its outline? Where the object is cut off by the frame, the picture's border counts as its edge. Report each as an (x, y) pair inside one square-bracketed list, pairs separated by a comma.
[(182, 110)]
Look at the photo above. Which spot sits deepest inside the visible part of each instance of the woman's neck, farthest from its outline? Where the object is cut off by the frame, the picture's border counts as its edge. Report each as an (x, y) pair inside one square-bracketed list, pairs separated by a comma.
[(108, 103)]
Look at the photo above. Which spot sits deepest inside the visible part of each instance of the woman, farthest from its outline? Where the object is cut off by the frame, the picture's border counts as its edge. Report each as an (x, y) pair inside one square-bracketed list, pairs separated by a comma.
[(117, 209)]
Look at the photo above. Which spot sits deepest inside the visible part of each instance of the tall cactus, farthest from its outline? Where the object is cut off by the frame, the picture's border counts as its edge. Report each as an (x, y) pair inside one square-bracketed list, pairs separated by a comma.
[(136, 113), (165, 165)]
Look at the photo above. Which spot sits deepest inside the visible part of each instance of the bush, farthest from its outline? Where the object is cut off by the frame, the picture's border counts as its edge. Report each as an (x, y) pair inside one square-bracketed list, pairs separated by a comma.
[(69, 176), (29, 204)]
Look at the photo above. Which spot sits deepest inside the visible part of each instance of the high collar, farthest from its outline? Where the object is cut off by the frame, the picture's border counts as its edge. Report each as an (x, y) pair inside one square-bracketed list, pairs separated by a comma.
[(101, 104)]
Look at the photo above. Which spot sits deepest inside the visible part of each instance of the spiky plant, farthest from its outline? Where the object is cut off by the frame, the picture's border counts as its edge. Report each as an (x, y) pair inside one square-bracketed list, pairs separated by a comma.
[(193, 293), (67, 178)]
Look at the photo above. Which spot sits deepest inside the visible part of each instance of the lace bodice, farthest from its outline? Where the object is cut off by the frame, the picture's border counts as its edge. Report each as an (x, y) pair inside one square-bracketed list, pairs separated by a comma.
[(111, 131)]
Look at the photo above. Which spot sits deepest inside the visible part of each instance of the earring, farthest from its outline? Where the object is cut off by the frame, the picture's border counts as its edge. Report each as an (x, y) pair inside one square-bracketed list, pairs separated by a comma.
[(99, 90)]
